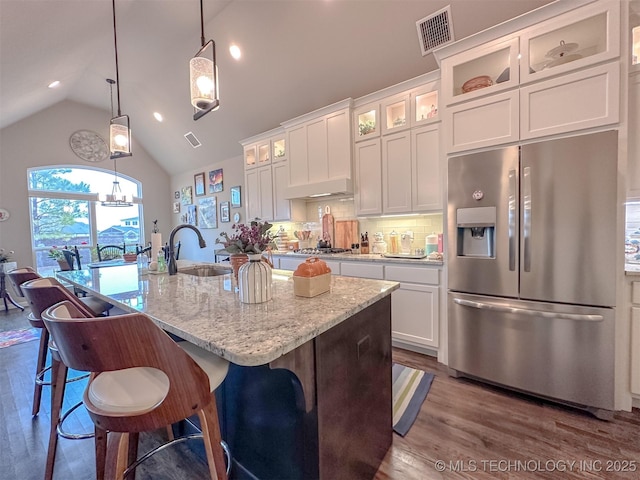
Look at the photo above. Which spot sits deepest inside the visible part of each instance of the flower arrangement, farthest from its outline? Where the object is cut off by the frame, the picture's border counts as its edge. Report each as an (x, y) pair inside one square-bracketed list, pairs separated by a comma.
[(5, 256), (252, 238), (55, 253)]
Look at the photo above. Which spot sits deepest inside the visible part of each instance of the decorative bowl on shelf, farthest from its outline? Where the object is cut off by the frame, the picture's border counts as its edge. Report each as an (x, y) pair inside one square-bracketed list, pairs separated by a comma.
[(476, 83)]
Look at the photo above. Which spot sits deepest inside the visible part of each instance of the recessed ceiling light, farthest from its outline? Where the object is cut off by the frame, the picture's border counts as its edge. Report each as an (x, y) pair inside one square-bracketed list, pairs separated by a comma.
[(235, 51), (157, 116), (54, 84)]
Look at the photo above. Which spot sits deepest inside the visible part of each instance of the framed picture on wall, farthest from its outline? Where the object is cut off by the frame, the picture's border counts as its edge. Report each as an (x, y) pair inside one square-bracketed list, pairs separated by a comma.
[(176, 195), (176, 207), (207, 213), (192, 215), (224, 212), (236, 199), (215, 181), (187, 195), (198, 181)]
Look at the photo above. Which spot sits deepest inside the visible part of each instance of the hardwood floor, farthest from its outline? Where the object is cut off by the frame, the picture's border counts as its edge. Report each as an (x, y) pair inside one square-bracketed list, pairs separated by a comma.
[(478, 431)]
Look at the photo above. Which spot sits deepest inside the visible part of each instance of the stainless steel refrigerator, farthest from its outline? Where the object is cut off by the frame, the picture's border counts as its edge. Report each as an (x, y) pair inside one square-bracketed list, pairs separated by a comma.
[(531, 268)]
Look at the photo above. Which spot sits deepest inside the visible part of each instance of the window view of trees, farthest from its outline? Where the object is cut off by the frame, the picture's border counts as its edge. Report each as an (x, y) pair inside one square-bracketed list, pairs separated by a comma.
[(65, 212)]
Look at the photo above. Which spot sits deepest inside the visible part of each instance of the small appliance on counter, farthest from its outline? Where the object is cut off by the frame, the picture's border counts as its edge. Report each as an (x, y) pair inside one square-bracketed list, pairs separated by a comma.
[(379, 245), (406, 240)]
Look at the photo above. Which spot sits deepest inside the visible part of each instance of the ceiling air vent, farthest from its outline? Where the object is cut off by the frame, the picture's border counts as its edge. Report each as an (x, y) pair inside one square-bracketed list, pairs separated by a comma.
[(435, 30), (193, 141)]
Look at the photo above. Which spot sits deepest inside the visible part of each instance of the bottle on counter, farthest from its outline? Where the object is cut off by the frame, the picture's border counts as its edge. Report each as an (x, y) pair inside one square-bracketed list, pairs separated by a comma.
[(431, 244), (143, 264), (162, 264)]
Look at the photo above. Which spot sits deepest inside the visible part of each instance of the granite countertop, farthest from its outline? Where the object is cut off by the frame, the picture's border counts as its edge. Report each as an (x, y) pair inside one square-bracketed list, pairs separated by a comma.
[(207, 311), (369, 257)]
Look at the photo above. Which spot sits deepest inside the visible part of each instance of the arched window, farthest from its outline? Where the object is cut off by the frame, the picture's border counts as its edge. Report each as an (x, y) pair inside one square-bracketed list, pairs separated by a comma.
[(65, 211)]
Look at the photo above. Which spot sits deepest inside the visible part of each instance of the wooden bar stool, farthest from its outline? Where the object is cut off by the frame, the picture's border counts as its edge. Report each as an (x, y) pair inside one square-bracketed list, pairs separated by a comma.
[(42, 293), (141, 381)]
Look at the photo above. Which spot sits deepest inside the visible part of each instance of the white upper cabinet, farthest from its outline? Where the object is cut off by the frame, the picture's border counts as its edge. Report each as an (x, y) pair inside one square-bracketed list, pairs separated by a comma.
[(319, 146), (555, 75), (397, 162), (571, 41), (267, 178)]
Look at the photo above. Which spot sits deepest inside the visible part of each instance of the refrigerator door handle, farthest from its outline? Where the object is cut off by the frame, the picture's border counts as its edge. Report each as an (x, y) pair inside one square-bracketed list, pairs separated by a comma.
[(526, 311), (526, 230), (512, 220)]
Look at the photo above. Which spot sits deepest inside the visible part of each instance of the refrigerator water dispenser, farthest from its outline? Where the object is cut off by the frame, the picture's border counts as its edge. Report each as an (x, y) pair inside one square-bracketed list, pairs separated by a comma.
[(476, 232)]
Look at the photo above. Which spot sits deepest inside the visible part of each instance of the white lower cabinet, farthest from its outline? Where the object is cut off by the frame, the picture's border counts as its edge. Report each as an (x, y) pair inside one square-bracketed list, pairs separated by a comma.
[(415, 306), (358, 269), (290, 263)]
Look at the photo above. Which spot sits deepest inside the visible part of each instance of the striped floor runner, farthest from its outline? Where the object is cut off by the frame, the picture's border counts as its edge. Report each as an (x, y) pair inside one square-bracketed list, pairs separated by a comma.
[(410, 389)]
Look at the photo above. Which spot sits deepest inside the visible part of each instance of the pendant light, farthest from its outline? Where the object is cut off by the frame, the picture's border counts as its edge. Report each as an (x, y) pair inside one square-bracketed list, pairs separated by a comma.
[(119, 130), (203, 76), (116, 198)]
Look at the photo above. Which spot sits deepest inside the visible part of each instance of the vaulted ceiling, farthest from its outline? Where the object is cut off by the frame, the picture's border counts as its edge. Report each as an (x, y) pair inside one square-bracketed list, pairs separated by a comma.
[(298, 55)]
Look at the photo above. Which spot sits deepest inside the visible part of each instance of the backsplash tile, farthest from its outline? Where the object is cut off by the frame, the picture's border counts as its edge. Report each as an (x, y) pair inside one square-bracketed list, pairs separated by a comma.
[(344, 209)]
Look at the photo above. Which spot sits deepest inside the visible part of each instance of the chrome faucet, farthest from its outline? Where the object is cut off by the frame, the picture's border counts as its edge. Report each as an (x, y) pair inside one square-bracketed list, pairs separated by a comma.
[(173, 266)]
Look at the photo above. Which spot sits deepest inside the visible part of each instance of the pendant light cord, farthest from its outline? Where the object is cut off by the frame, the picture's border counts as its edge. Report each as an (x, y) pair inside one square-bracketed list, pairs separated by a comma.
[(201, 25), (115, 44)]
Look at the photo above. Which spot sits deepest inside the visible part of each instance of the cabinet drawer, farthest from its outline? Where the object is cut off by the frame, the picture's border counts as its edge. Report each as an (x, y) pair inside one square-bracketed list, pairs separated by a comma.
[(572, 102), (482, 123), (356, 269), (429, 276)]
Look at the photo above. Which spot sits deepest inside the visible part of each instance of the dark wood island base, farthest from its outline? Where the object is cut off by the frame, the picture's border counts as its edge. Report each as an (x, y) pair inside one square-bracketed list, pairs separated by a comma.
[(322, 411)]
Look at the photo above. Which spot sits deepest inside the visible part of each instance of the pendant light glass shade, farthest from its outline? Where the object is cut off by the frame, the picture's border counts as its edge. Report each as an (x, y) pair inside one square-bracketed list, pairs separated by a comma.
[(120, 137), (203, 76)]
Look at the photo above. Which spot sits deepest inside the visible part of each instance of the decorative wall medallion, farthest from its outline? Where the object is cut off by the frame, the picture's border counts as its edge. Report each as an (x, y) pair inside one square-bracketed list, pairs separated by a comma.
[(4, 215), (89, 146)]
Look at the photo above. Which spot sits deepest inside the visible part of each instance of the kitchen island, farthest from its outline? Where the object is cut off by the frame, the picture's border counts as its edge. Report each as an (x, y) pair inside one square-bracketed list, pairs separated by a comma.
[(308, 394)]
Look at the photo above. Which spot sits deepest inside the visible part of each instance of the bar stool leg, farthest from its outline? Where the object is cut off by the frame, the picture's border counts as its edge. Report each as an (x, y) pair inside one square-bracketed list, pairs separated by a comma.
[(212, 440), (58, 384), (101, 452), (42, 359)]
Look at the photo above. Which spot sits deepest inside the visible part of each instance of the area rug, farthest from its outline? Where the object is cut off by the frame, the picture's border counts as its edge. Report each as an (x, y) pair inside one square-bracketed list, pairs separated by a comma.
[(14, 337), (410, 389)]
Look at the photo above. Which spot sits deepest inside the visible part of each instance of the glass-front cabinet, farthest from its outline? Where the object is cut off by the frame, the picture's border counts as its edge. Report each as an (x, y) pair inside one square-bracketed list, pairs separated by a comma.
[(278, 149), (395, 114), (366, 122), (571, 41), (424, 105), (264, 158), (480, 71), (250, 156)]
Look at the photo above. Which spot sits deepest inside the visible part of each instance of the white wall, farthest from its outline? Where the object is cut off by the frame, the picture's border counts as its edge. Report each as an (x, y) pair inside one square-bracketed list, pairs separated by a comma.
[(233, 175), (43, 139)]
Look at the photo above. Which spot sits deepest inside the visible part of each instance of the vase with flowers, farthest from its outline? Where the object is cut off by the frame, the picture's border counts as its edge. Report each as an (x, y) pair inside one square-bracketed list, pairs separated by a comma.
[(245, 245), (5, 259), (56, 254)]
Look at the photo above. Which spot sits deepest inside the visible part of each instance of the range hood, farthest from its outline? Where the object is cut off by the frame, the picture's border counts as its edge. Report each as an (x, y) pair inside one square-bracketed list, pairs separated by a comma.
[(337, 186)]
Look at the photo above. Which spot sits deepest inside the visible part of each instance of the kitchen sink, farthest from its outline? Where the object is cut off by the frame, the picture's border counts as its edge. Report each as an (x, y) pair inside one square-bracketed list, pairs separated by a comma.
[(205, 270)]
